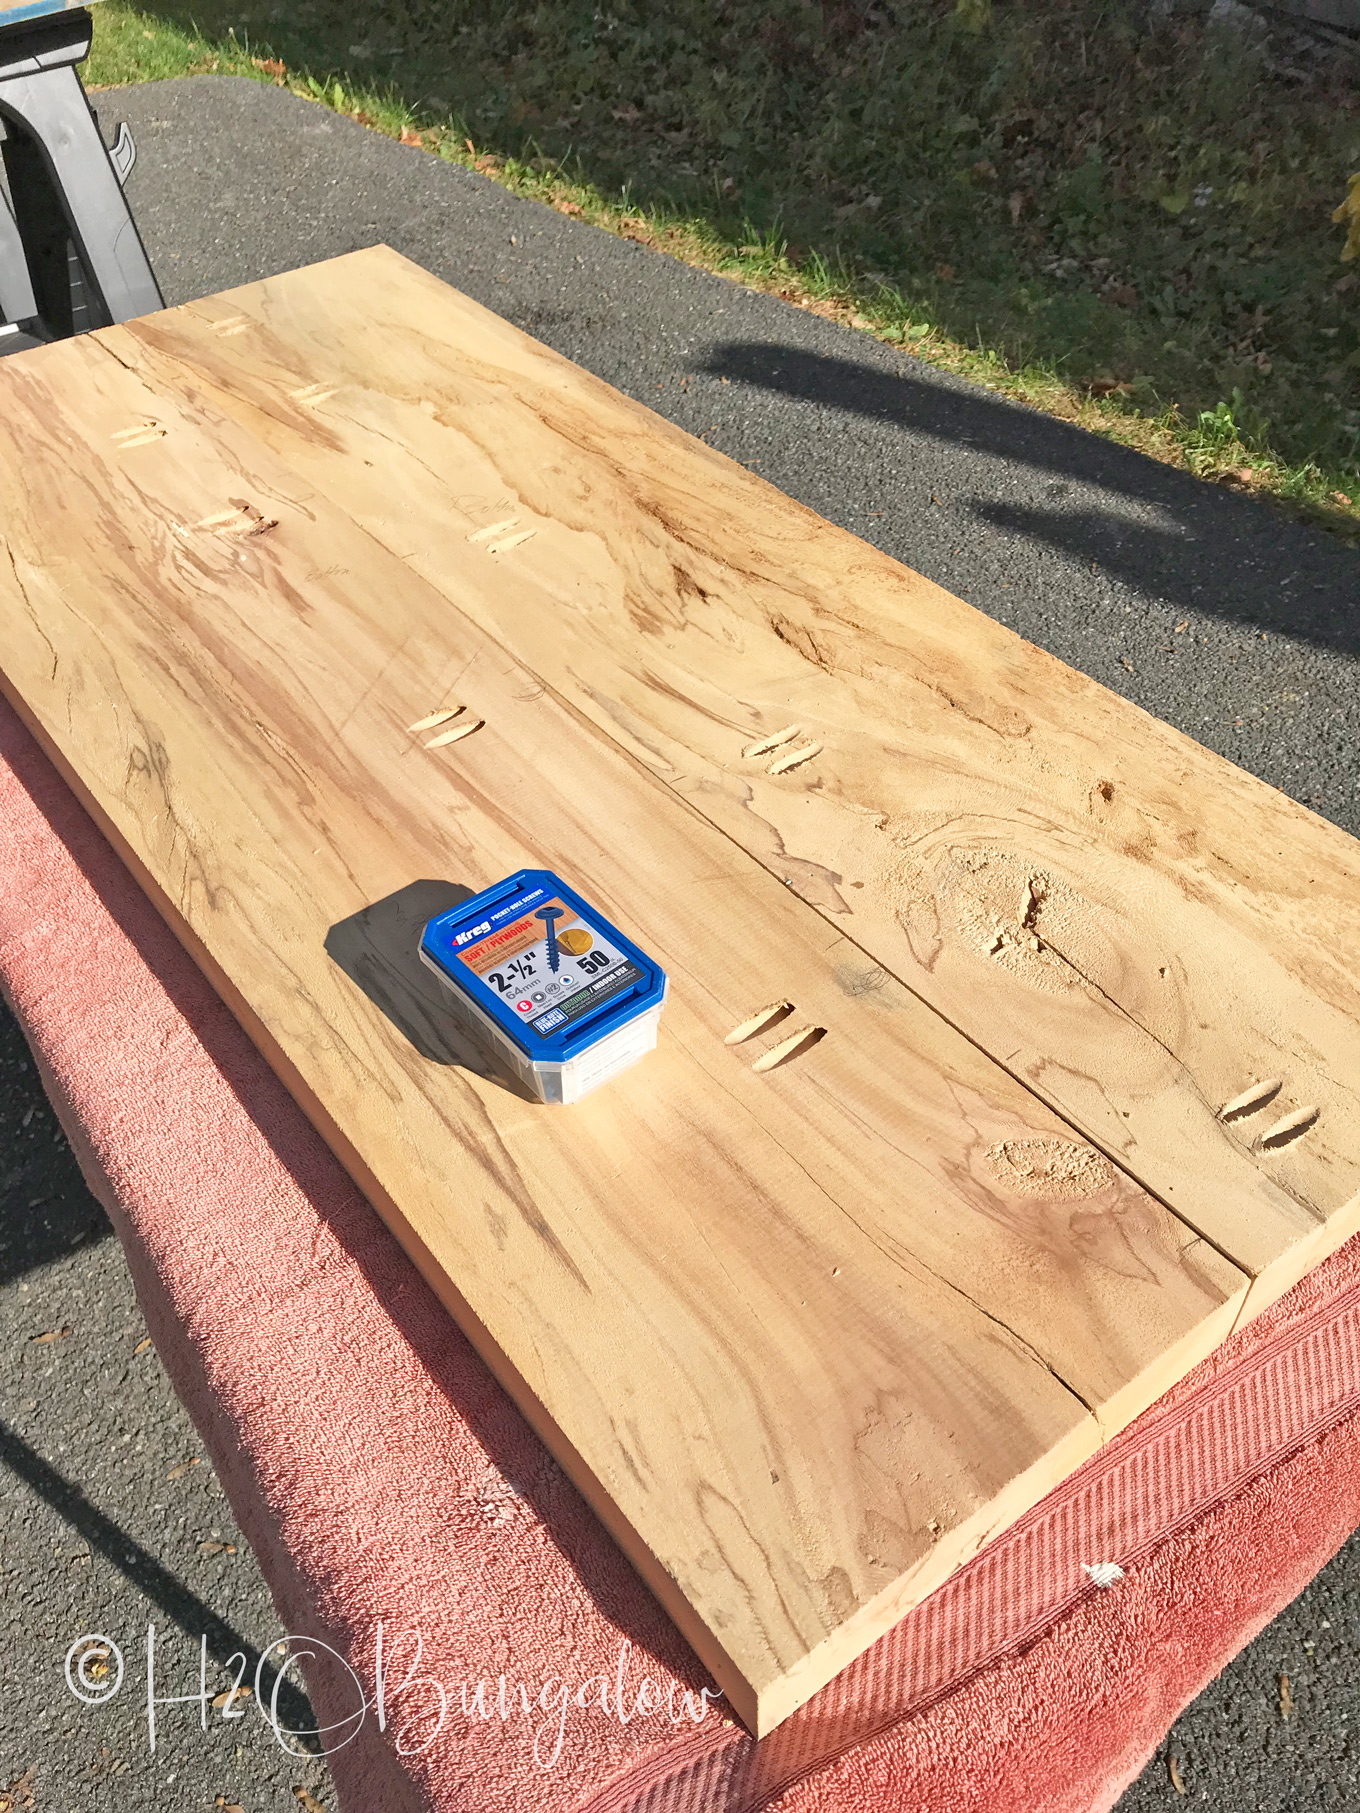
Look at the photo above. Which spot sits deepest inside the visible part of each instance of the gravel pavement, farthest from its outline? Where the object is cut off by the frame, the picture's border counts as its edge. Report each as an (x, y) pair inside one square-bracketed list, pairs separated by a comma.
[(1203, 607)]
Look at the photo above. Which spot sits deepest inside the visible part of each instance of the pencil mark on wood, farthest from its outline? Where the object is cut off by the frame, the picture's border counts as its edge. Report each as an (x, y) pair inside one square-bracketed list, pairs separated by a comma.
[(1251, 1099), (792, 1047), (768, 745), (760, 1021)]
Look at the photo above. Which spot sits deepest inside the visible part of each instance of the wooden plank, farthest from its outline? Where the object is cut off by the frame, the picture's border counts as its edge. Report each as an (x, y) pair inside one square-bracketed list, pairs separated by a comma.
[(805, 1338), (1132, 926)]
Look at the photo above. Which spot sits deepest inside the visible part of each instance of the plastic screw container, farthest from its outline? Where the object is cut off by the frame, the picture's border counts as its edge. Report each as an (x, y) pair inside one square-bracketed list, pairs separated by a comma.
[(562, 997)]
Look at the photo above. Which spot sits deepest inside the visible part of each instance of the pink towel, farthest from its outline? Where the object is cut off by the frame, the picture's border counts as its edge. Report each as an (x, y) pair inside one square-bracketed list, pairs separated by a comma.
[(385, 1480)]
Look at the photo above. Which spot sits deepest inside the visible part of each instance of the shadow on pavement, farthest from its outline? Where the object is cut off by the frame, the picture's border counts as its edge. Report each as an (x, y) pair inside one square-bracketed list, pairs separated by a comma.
[(195, 1618), (46, 1211), (1210, 551)]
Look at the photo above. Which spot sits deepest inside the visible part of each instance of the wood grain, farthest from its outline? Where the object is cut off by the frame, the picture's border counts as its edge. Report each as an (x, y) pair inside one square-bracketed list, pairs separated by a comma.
[(805, 1336), (1132, 926)]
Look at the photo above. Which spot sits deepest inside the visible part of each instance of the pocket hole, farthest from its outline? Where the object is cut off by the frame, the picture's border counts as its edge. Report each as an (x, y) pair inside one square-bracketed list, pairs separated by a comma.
[(492, 530), (512, 541), (760, 1021), (767, 745), (1290, 1127), (436, 718), (792, 1047), (1250, 1099), (794, 759), (454, 736), (313, 394), (140, 435)]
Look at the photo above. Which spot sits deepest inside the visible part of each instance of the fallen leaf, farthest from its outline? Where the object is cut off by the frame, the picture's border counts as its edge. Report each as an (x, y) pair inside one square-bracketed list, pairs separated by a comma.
[(226, 1697), (19, 1793), (945, 273), (1340, 497), (142, 1347), (1125, 662), (183, 1468), (1286, 1696), (985, 170), (228, 1806), (53, 1334), (363, 119), (1184, 624), (217, 1548), (271, 66), (409, 136), (309, 1801), (1123, 295), (1348, 216), (1109, 387), (569, 207), (1173, 1769)]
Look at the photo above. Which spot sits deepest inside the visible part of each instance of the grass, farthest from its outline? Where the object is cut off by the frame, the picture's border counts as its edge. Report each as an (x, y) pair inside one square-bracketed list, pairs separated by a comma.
[(1122, 222)]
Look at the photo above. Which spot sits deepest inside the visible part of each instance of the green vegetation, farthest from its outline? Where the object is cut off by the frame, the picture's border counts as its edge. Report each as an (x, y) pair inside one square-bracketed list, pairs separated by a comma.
[(1137, 224)]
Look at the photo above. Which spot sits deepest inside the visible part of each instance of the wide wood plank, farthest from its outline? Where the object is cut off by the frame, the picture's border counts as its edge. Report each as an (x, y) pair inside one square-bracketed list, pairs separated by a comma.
[(1132, 926), (805, 1338)]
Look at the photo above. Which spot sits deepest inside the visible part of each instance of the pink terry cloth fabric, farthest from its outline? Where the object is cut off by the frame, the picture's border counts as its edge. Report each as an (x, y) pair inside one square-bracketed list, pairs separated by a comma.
[(384, 1479)]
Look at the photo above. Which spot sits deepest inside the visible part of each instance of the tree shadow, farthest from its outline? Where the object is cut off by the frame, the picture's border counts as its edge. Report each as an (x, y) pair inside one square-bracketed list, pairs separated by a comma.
[(46, 1210), (1006, 180), (1179, 557), (194, 1616)]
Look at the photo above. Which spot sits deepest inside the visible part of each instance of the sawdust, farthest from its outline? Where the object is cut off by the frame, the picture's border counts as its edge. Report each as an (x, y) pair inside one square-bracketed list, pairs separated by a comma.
[(1025, 921), (1048, 1167)]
